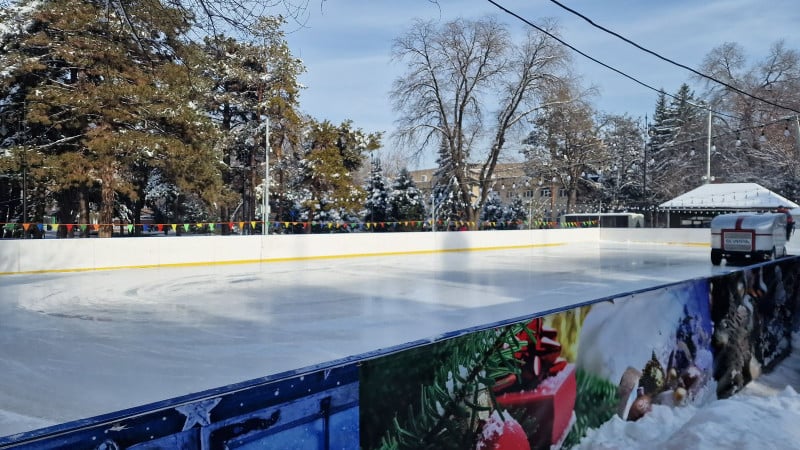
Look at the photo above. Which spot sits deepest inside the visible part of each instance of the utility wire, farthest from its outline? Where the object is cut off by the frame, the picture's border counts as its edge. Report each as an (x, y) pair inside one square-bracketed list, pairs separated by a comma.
[(562, 42), (597, 61), (683, 66)]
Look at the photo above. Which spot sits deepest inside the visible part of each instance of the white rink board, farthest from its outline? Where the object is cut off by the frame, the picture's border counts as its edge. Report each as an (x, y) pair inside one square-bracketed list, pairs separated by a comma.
[(41, 255)]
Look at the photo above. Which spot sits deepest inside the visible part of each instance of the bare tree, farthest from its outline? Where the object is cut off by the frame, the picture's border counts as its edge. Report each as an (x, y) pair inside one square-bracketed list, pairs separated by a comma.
[(565, 144), (622, 178), (456, 72), (756, 140)]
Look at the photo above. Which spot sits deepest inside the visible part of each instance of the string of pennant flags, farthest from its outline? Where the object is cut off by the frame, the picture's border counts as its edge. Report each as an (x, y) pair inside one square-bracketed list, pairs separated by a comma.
[(254, 224)]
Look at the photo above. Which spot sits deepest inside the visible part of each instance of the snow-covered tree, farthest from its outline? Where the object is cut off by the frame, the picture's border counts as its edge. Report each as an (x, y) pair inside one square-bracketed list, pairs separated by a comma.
[(248, 82), (517, 212), (675, 157), (448, 203), (97, 108), (493, 210), (565, 144), (754, 140), (330, 157), (621, 179), (376, 206), (406, 202)]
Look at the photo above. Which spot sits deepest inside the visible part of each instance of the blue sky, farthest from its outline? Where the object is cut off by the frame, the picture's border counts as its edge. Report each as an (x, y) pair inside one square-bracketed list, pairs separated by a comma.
[(346, 45)]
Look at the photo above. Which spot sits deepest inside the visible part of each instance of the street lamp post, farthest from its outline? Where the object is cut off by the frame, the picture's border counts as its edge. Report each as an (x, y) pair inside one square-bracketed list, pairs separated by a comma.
[(265, 207), (707, 178), (708, 150), (372, 172), (645, 162), (553, 201), (24, 190)]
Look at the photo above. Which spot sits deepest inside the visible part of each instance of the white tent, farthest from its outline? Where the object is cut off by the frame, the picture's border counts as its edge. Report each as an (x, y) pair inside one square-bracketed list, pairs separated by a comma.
[(728, 196)]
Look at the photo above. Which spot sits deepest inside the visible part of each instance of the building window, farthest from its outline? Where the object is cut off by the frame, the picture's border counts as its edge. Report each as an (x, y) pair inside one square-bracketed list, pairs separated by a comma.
[(544, 192), (528, 193), (424, 178), (562, 192)]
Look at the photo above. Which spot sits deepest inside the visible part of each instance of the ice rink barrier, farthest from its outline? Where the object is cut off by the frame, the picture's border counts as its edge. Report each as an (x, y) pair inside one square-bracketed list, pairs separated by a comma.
[(538, 381), (54, 255)]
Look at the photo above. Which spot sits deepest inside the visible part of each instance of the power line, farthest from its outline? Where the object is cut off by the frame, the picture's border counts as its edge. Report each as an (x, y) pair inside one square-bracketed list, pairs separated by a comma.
[(595, 60), (683, 66), (562, 42), (630, 77)]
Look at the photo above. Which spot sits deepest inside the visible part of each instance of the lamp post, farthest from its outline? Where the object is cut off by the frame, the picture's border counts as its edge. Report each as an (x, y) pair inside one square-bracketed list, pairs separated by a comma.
[(707, 177), (372, 172), (708, 150), (265, 206), (553, 200), (24, 189)]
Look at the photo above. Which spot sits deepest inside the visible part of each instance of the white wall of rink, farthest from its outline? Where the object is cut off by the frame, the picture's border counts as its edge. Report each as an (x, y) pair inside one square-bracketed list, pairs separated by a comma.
[(54, 255)]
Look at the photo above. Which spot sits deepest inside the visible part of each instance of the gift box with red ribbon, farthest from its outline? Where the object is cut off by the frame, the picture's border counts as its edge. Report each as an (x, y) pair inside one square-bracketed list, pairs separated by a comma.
[(546, 389)]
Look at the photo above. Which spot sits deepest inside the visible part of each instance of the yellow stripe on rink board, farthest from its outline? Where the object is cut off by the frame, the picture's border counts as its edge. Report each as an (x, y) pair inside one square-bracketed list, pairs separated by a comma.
[(286, 259)]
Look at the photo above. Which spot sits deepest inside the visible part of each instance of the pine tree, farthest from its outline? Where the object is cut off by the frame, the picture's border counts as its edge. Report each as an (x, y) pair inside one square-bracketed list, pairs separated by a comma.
[(250, 81), (516, 213), (406, 203), (377, 202), (493, 213), (102, 108), (327, 190), (675, 165), (622, 180), (447, 202)]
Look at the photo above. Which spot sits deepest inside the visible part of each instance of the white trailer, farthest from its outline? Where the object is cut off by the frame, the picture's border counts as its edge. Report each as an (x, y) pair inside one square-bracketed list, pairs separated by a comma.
[(748, 236)]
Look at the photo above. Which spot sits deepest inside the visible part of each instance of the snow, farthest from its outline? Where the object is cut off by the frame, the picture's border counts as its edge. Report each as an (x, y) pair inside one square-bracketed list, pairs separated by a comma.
[(728, 196), (764, 415)]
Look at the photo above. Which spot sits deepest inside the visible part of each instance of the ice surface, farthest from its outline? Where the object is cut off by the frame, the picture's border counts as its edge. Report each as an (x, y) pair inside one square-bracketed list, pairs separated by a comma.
[(76, 345)]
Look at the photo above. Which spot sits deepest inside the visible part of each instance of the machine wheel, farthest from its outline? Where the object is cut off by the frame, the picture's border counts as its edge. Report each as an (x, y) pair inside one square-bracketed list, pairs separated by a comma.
[(772, 256), (716, 258)]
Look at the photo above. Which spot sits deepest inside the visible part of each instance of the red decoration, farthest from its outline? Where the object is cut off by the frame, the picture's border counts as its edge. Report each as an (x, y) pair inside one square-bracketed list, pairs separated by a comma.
[(550, 404), (547, 389), (502, 433)]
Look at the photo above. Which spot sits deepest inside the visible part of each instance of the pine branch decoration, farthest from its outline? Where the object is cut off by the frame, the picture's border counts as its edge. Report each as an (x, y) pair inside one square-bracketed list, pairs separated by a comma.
[(449, 409)]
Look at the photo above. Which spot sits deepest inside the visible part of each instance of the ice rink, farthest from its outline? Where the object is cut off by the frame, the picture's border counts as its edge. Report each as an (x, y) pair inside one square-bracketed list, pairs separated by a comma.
[(75, 345)]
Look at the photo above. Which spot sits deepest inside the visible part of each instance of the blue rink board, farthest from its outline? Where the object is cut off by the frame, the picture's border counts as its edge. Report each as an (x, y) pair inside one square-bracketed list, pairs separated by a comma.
[(316, 410)]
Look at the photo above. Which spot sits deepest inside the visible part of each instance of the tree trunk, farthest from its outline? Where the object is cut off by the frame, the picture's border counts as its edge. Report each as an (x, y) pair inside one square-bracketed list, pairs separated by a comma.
[(83, 209), (106, 218)]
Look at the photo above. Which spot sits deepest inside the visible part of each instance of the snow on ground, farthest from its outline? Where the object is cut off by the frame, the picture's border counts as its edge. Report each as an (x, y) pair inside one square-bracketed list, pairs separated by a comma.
[(765, 415)]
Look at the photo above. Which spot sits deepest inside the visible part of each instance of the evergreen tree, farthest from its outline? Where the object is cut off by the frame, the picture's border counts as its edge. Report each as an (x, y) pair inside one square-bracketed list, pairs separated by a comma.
[(448, 204), (516, 213), (250, 82), (493, 213), (622, 179), (377, 203), (325, 188), (675, 161), (101, 109), (406, 202)]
